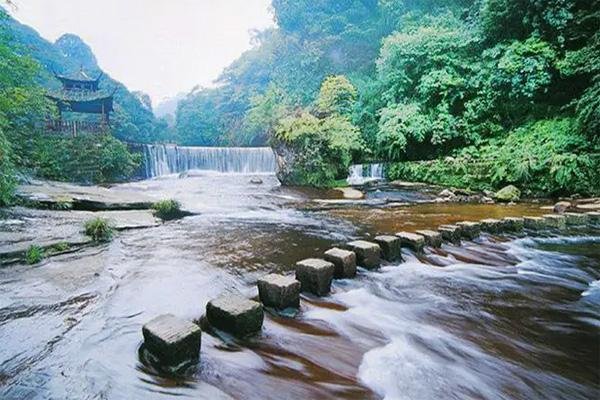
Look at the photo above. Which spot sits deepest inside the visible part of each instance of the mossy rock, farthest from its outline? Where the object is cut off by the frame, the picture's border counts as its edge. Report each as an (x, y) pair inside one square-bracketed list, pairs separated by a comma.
[(508, 193)]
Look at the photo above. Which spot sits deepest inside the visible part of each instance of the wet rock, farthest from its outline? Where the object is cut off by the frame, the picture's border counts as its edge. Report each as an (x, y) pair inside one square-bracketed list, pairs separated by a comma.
[(487, 200), (446, 193), (513, 224), (315, 275), (172, 340), (407, 185), (451, 233), (391, 248), (469, 229), (344, 262), (589, 207), (279, 291), (562, 206), (411, 240), (256, 181), (508, 193), (555, 221), (235, 314), (491, 225), (593, 217), (575, 218), (534, 223), (368, 254), (432, 238), (350, 193)]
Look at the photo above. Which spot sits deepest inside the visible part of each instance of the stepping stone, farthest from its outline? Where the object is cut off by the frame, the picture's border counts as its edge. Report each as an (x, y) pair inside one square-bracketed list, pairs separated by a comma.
[(513, 224), (491, 225), (235, 314), (534, 223), (469, 229), (391, 248), (344, 262), (279, 291), (368, 254), (575, 218), (432, 238), (172, 340), (451, 233), (315, 275), (593, 217), (412, 241), (555, 221)]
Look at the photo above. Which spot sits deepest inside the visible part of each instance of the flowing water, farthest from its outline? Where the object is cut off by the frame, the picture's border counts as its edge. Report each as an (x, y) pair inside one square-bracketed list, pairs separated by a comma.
[(363, 173), (497, 318)]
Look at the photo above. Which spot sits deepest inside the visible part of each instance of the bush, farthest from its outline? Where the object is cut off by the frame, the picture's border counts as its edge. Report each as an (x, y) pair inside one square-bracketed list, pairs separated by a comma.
[(168, 210), (34, 254), (7, 180), (99, 230)]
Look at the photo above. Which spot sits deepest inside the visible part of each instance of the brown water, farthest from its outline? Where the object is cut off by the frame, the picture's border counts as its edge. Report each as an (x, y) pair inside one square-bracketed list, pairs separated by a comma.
[(497, 318)]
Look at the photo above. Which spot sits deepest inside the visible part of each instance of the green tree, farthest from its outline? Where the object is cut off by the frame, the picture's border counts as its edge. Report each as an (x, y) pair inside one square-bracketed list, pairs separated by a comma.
[(337, 95)]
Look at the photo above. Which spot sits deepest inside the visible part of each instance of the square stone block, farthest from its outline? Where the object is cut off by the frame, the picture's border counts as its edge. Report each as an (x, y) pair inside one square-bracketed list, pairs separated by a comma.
[(235, 314), (513, 224), (368, 254), (450, 233), (344, 262), (593, 217), (412, 240), (555, 221), (172, 340), (491, 225), (575, 218), (432, 238), (279, 291), (391, 248), (534, 223), (315, 275), (469, 229)]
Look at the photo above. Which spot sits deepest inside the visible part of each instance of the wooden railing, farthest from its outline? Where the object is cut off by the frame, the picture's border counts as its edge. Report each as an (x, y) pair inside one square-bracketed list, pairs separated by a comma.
[(75, 128)]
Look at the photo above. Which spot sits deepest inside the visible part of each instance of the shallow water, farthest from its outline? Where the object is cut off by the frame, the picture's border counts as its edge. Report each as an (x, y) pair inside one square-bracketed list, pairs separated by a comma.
[(497, 318)]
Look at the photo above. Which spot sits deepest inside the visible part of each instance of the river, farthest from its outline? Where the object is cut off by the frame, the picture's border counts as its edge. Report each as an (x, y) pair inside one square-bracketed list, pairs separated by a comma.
[(497, 318)]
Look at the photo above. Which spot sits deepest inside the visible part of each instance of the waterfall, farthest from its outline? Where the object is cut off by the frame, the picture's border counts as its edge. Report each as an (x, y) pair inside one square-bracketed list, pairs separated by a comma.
[(162, 159), (362, 173)]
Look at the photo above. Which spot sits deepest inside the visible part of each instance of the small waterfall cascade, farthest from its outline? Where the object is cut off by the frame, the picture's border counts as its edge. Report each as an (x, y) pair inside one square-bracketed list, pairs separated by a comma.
[(362, 173), (161, 159)]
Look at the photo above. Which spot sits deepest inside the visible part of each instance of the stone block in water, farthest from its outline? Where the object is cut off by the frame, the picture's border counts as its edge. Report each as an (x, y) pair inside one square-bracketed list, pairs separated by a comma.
[(172, 340), (469, 229), (513, 224), (450, 233), (368, 254), (555, 221), (235, 314), (534, 223), (315, 275), (593, 217), (491, 225), (575, 218), (344, 262), (432, 238), (411, 240), (279, 291), (391, 248)]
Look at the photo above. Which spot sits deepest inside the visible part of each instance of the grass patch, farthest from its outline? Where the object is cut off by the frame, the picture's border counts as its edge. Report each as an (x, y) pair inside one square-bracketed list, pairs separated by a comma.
[(34, 254), (168, 210), (99, 230), (60, 247)]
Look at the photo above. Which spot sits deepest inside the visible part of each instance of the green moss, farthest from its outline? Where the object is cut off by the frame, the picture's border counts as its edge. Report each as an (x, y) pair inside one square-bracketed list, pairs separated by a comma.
[(99, 230), (34, 254), (60, 247), (168, 210)]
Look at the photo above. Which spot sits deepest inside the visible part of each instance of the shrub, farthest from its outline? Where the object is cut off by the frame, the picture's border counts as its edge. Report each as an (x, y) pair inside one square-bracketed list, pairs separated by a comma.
[(34, 254), (98, 229), (168, 210)]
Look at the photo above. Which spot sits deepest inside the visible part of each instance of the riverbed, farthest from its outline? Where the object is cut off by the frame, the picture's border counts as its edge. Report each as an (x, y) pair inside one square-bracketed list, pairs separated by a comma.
[(501, 317)]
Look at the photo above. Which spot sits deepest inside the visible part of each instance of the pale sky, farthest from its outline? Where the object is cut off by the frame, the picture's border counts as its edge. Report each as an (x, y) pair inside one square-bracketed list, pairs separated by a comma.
[(161, 47)]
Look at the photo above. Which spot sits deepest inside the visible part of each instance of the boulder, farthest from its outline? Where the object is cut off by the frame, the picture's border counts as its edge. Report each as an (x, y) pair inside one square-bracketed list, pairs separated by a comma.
[(446, 193), (432, 238), (172, 340), (555, 221), (279, 291), (235, 314), (575, 218), (534, 223), (390, 247), (411, 240), (344, 262), (315, 275), (487, 200), (513, 224), (350, 193), (508, 193), (593, 217), (491, 225), (562, 206), (256, 181), (368, 254), (469, 229), (450, 233)]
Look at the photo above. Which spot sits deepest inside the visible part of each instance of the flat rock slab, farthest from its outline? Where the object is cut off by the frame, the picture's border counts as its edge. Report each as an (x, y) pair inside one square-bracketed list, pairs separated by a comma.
[(411, 240), (593, 217), (344, 262), (432, 238), (513, 224), (469, 229), (172, 340), (450, 233), (368, 254), (235, 314), (315, 275), (534, 223), (575, 218), (555, 221), (391, 247), (491, 225), (350, 193), (279, 291)]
